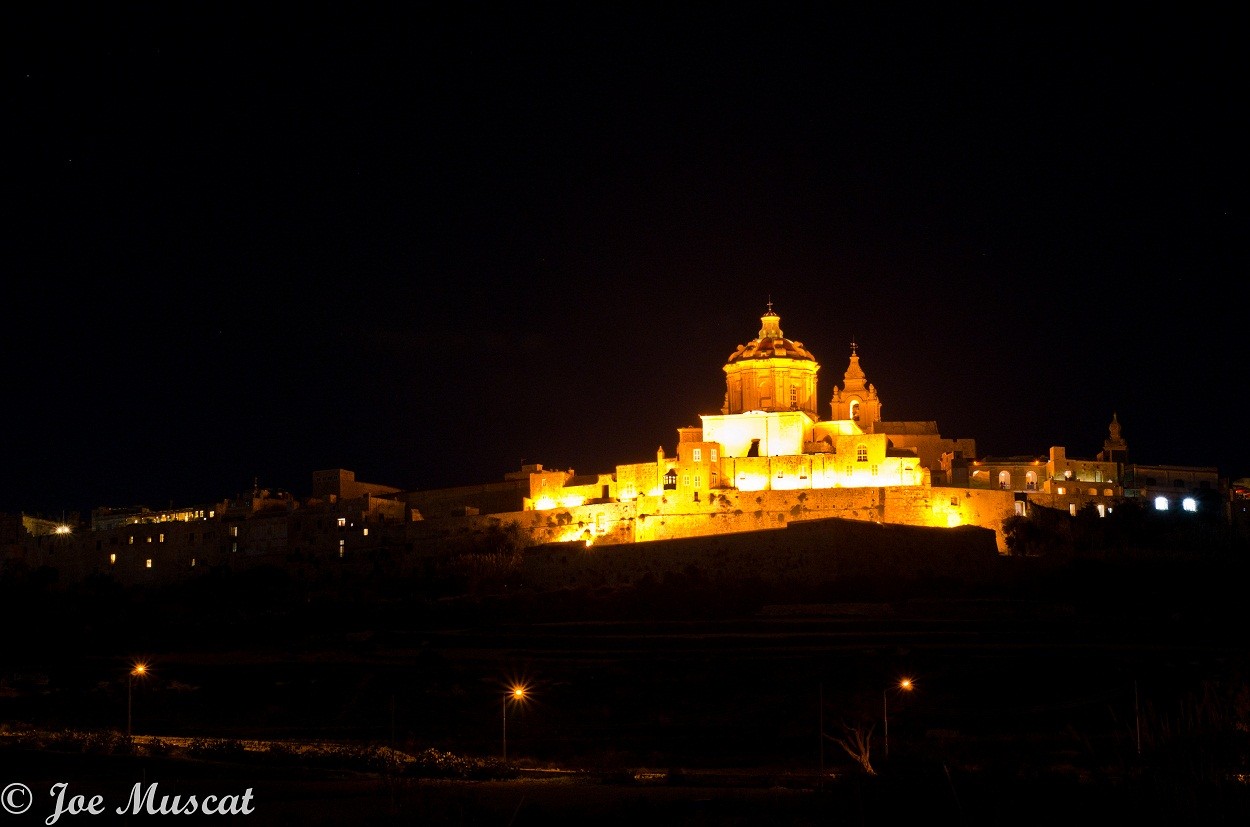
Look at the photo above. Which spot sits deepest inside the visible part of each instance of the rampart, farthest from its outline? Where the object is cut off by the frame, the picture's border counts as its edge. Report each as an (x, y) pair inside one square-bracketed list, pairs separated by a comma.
[(809, 552)]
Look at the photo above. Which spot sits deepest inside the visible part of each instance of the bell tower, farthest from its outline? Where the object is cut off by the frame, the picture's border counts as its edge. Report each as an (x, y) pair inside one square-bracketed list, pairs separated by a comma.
[(856, 399)]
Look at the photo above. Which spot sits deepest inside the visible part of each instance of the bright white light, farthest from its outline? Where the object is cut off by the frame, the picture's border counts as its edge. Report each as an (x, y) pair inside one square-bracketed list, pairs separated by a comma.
[(1161, 503), (1189, 504)]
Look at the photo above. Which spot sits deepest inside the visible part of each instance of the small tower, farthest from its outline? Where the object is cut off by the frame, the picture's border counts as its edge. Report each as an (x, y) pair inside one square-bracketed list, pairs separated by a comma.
[(856, 399), (1114, 448)]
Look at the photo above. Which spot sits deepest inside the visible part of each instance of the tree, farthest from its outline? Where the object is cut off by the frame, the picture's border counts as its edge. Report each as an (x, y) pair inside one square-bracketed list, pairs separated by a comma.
[(856, 739)]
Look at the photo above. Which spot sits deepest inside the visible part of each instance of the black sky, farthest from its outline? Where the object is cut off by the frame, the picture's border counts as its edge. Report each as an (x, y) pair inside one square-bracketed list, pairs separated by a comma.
[(251, 242)]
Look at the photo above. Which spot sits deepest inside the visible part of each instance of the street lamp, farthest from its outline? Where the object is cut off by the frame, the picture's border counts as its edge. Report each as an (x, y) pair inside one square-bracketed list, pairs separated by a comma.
[(516, 695), (906, 685), (137, 671)]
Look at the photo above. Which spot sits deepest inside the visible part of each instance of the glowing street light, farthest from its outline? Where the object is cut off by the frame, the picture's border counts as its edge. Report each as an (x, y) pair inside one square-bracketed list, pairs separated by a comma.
[(905, 685), (517, 695), (138, 671)]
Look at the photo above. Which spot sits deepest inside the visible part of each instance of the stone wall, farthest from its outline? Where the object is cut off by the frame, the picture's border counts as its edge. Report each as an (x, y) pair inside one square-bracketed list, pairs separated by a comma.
[(809, 552)]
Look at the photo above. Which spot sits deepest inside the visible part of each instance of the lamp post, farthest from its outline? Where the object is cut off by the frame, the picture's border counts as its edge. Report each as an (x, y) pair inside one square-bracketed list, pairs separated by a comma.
[(906, 685), (137, 671), (517, 694)]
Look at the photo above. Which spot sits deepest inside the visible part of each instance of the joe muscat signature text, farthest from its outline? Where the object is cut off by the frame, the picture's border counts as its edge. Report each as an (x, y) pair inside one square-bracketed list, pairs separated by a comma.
[(148, 800)]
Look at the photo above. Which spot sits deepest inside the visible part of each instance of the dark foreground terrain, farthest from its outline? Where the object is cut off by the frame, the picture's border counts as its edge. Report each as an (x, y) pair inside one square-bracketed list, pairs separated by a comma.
[(1070, 695)]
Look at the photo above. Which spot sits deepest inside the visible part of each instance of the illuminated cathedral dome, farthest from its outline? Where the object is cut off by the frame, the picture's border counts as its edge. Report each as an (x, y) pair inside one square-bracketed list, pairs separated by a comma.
[(770, 343), (771, 373)]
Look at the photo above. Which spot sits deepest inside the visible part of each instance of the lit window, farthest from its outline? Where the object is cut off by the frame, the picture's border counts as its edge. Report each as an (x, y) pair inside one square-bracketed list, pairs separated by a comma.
[(1072, 509), (192, 562), (1102, 510), (234, 547), (697, 455), (1161, 503), (1189, 504), (342, 543), (131, 540), (861, 453), (147, 564), (234, 531), (342, 521), (162, 537), (1062, 490), (112, 559), (365, 533), (149, 539)]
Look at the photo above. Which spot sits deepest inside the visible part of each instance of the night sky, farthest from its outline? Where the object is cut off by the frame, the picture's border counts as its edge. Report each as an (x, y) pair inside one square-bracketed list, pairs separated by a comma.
[(245, 243)]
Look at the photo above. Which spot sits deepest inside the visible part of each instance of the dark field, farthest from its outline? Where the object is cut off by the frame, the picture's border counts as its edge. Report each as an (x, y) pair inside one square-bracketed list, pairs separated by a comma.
[(667, 706)]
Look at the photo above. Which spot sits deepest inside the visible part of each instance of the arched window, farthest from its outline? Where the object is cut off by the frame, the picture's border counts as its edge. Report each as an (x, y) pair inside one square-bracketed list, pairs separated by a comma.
[(855, 410), (1030, 480), (1004, 480)]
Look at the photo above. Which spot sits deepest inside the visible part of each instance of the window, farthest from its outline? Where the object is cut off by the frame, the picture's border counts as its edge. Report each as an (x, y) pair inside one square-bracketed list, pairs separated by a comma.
[(234, 547), (342, 521), (147, 564), (848, 470), (1072, 509), (713, 455), (855, 411), (697, 455), (698, 482), (1030, 481), (162, 537), (861, 453), (685, 480), (364, 532), (1161, 503), (1062, 490), (794, 396), (342, 547), (1004, 480), (1189, 504), (131, 540), (1102, 509), (875, 470), (112, 559)]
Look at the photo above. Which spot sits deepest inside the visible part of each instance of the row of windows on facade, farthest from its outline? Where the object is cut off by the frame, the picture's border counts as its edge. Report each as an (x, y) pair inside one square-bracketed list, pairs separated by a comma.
[(234, 547)]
